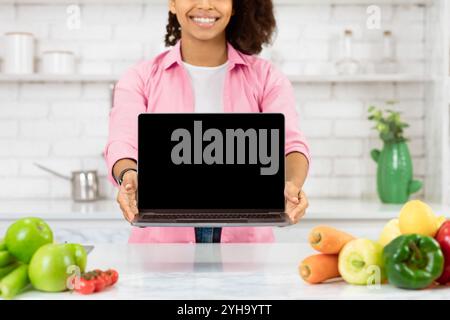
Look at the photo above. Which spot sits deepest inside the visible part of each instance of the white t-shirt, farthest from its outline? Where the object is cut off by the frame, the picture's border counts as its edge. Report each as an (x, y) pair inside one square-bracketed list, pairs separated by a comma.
[(207, 83)]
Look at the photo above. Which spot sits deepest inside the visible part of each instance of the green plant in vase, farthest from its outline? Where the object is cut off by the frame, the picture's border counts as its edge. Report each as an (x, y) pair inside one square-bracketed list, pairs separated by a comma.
[(395, 171)]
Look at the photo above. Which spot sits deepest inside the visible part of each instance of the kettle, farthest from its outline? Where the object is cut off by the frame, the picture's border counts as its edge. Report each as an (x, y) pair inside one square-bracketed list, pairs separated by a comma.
[(85, 184)]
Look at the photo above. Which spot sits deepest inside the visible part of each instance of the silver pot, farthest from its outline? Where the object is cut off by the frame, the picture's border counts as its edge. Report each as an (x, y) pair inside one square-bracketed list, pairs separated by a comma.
[(85, 186)]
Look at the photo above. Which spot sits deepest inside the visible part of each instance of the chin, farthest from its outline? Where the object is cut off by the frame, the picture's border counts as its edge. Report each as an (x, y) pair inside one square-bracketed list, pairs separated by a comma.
[(204, 36)]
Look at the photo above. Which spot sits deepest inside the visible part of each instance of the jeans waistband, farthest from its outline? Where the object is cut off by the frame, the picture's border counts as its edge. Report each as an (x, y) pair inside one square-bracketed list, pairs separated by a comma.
[(208, 235)]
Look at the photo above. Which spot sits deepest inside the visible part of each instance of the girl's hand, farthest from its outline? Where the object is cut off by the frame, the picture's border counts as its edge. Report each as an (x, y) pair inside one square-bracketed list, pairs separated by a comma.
[(296, 202), (127, 195)]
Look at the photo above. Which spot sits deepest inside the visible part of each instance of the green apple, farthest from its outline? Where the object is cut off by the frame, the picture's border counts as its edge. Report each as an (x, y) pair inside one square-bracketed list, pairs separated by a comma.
[(51, 266), (25, 236), (361, 263)]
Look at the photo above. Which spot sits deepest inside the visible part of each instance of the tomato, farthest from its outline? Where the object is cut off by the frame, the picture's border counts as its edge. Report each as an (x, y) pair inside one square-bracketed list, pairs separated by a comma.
[(100, 283), (102, 275), (114, 275), (105, 278), (97, 280), (85, 286)]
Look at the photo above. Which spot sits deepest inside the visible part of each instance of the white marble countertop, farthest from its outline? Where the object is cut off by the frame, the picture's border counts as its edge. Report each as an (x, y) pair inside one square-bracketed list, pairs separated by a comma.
[(340, 209), (220, 271)]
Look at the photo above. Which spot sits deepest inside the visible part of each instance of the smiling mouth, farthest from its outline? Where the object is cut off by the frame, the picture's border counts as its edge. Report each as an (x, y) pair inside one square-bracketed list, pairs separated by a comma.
[(204, 21)]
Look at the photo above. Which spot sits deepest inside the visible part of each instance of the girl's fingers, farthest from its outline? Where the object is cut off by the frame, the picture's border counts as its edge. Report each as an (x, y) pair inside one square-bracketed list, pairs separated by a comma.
[(132, 205), (130, 180), (303, 204), (296, 215), (126, 196), (294, 200), (298, 211), (129, 188), (301, 208), (128, 205), (129, 192), (291, 193), (304, 200), (291, 212), (131, 213), (127, 214), (131, 217)]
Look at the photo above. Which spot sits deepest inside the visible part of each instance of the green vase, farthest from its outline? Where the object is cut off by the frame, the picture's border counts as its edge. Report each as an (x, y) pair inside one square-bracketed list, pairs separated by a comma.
[(395, 173)]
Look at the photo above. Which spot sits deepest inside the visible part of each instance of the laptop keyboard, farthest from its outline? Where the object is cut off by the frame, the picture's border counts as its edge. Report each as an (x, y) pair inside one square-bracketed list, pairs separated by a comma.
[(211, 216)]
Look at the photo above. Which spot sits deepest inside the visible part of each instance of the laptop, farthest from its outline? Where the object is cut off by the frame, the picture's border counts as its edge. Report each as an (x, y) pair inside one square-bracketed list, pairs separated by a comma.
[(211, 170)]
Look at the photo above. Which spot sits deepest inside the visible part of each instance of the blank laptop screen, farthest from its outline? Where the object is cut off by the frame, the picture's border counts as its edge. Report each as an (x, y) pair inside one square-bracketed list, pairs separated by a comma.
[(211, 162)]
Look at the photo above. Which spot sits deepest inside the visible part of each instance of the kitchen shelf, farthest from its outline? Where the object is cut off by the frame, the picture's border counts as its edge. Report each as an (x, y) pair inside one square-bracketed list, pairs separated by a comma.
[(58, 78), (277, 2), (293, 78), (359, 78)]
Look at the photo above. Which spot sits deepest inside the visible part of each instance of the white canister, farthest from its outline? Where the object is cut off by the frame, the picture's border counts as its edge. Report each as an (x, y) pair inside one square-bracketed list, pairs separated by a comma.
[(58, 62), (19, 53)]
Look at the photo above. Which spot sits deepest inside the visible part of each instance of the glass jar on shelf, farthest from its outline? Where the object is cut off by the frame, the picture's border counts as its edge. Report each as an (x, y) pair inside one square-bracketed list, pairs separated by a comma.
[(388, 63), (347, 64)]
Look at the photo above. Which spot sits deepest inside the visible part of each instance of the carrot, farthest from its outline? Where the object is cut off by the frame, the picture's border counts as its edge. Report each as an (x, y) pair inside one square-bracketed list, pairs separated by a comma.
[(328, 240), (319, 268)]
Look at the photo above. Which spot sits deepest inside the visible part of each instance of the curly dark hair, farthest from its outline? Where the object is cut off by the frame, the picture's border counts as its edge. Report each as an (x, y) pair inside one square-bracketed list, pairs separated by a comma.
[(252, 26)]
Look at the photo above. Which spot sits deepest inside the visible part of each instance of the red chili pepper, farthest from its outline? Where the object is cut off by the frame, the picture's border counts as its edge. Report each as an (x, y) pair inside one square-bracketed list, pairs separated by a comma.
[(443, 237)]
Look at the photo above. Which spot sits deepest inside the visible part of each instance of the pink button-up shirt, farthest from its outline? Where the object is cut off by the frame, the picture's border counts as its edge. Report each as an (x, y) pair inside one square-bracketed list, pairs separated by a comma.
[(163, 85)]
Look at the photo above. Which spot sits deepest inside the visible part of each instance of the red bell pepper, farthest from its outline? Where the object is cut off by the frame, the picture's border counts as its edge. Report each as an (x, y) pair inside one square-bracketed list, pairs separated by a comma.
[(443, 237)]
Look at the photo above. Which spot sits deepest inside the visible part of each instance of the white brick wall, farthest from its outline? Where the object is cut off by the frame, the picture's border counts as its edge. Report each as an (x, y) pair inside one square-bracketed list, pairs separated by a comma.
[(64, 126), (74, 147), (11, 109), (113, 14), (353, 13), (9, 91), (16, 148), (7, 12), (49, 92), (332, 109), (112, 51), (86, 32), (24, 188), (9, 128)]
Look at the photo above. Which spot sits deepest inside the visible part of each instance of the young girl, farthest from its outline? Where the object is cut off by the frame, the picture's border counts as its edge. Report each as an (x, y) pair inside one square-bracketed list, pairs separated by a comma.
[(212, 67)]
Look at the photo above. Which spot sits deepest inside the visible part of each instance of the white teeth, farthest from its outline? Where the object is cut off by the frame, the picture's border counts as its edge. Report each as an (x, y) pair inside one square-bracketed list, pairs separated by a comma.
[(204, 20)]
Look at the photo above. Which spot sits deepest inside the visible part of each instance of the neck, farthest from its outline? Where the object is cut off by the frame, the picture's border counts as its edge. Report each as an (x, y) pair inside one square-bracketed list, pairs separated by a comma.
[(211, 53)]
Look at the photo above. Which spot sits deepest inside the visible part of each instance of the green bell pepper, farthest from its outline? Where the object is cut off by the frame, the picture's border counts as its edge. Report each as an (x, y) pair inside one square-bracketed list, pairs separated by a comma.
[(413, 261)]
